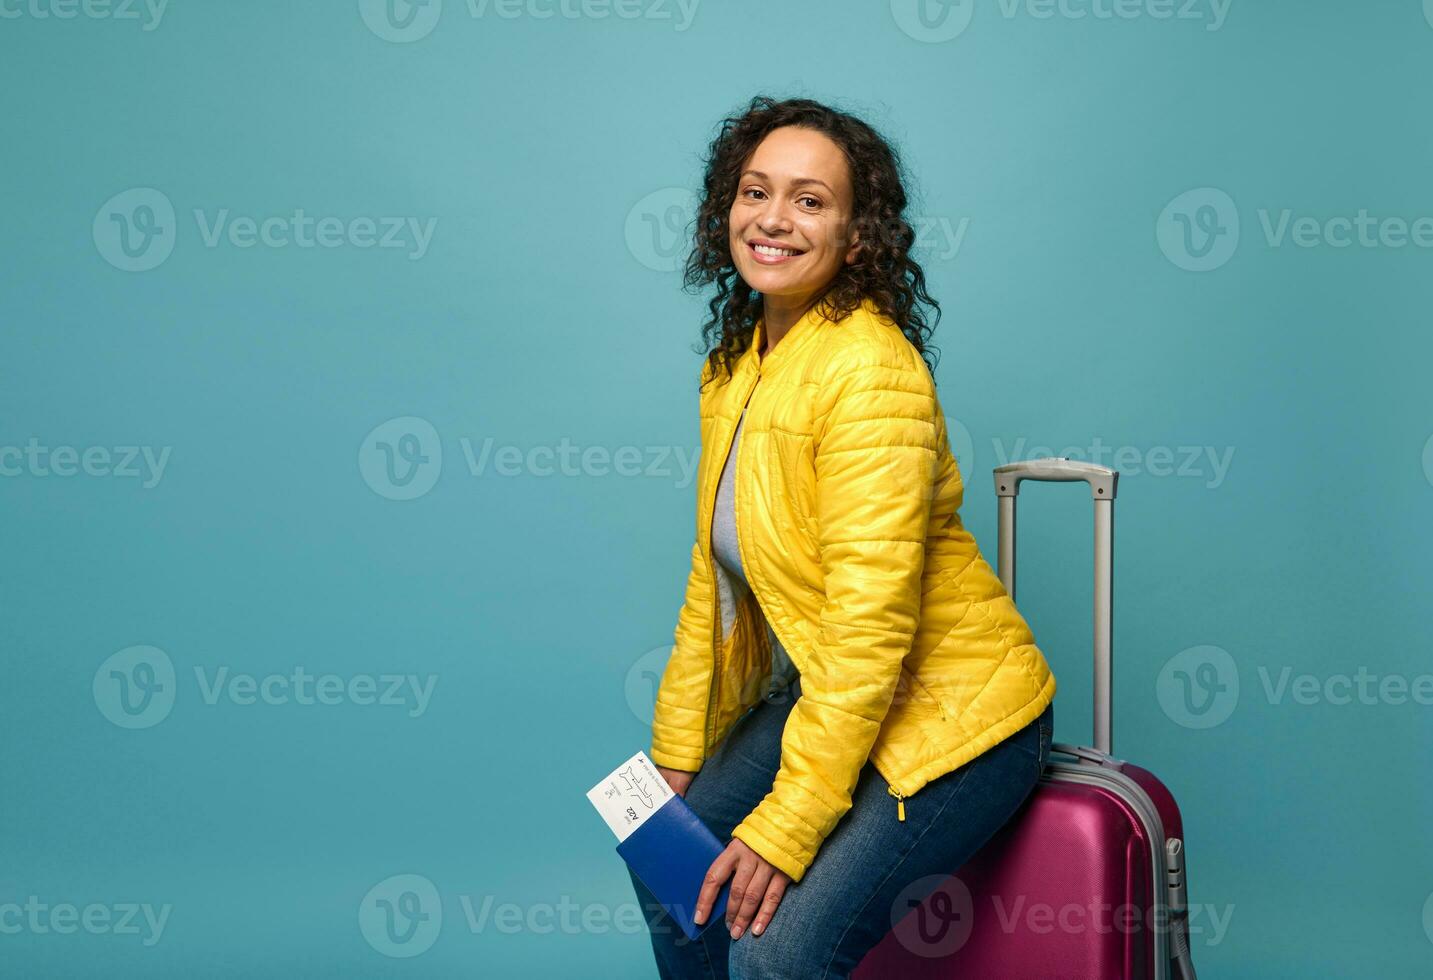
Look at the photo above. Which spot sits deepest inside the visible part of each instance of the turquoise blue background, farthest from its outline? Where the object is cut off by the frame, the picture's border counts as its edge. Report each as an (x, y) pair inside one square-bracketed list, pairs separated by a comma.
[(545, 313)]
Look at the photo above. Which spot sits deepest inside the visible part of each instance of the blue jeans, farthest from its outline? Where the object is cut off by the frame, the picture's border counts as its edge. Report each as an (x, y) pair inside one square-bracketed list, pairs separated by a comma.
[(842, 907)]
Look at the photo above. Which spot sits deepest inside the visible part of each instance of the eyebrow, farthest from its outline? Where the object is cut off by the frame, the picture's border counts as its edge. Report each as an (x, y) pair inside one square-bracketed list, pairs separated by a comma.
[(797, 182)]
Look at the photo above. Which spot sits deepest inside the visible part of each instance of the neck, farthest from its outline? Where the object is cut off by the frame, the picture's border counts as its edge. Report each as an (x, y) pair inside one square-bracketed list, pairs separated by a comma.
[(780, 314)]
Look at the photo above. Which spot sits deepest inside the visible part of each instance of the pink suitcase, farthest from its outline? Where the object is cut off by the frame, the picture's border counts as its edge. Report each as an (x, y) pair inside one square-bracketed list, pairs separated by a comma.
[(1086, 881)]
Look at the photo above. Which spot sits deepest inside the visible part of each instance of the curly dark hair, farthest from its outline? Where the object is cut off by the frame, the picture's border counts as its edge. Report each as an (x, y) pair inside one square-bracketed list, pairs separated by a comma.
[(883, 270)]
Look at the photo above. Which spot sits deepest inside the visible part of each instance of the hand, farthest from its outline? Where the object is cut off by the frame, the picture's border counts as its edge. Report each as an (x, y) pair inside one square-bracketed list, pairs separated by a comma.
[(756, 889), (678, 779)]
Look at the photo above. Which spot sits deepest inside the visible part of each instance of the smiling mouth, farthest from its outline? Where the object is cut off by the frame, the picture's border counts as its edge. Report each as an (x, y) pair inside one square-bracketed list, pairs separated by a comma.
[(774, 253)]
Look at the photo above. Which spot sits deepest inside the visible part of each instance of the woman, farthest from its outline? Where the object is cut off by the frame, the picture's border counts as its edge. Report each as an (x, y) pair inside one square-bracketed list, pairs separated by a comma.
[(852, 699)]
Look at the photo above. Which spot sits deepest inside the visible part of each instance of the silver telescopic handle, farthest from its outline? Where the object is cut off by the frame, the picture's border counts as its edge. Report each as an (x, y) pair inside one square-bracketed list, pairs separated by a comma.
[(1103, 482)]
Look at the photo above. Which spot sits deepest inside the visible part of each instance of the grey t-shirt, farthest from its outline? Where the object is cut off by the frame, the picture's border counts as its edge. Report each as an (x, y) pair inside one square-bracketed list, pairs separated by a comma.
[(727, 554)]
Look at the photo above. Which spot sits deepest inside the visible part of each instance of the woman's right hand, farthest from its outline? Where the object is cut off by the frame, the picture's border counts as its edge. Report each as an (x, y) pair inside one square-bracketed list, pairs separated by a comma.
[(678, 779)]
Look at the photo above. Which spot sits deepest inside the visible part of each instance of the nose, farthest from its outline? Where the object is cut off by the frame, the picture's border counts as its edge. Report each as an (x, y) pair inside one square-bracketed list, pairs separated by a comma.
[(774, 219)]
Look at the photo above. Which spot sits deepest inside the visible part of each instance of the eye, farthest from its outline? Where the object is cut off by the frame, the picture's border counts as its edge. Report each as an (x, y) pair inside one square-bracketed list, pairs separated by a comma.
[(752, 190), (815, 201)]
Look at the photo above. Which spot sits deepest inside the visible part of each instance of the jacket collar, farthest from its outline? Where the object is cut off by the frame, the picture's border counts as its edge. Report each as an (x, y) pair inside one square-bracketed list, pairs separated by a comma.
[(801, 332)]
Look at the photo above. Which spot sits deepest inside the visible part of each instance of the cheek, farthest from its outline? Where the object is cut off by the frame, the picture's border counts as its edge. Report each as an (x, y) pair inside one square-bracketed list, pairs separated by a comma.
[(823, 236), (736, 227)]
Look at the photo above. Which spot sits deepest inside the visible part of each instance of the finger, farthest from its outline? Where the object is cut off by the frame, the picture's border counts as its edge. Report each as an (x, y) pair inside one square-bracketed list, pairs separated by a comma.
[(774, 893), (751, 897), (711, 885), (740, 884)]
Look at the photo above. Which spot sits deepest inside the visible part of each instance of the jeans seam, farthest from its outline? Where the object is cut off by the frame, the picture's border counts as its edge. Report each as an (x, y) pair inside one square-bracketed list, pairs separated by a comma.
[(899, 861), (706, 956)]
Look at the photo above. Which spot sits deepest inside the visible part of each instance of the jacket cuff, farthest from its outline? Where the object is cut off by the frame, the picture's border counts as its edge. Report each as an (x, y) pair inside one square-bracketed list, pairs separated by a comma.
[(762, 836), (677, 759)]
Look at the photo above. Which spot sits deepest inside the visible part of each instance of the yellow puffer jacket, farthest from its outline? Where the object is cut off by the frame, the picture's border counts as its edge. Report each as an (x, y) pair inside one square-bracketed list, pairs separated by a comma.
[(910, 651)]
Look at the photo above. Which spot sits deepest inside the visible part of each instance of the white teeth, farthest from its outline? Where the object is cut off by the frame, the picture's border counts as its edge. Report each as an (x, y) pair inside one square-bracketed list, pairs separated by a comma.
[(768, 250)]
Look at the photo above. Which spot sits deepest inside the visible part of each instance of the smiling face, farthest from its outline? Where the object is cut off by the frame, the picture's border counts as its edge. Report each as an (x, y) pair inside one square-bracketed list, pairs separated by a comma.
[(790, 221)]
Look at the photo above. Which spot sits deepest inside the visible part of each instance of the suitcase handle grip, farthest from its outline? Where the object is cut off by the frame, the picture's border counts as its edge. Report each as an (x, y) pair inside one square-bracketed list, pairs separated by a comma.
[(1103, 482), (1056, 469)]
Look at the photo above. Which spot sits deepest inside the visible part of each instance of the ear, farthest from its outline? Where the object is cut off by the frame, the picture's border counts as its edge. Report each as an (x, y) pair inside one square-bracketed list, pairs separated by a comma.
[(855, 248)]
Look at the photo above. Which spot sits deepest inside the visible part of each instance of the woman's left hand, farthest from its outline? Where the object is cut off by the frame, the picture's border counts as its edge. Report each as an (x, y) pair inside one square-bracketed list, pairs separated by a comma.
[(756, 889)]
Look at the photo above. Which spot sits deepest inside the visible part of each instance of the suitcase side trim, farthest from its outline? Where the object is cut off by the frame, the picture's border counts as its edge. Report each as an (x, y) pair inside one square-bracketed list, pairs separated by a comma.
[(1116, 782)]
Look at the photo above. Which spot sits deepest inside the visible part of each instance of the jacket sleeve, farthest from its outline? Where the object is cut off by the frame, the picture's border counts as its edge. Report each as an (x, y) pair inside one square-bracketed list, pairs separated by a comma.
[(679, 716), (874, 447)]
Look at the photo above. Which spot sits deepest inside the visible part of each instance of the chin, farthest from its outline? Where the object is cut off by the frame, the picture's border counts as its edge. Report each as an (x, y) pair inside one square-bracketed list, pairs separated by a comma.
[(764, 280)]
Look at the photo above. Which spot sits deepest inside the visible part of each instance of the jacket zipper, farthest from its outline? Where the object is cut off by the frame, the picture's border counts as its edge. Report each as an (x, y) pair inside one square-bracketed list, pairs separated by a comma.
[(900, 802), (715, 690)]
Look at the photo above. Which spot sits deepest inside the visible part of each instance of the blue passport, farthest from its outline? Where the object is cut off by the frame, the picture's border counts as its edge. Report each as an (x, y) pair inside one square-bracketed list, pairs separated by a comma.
[(671, 853), (662, 840)]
